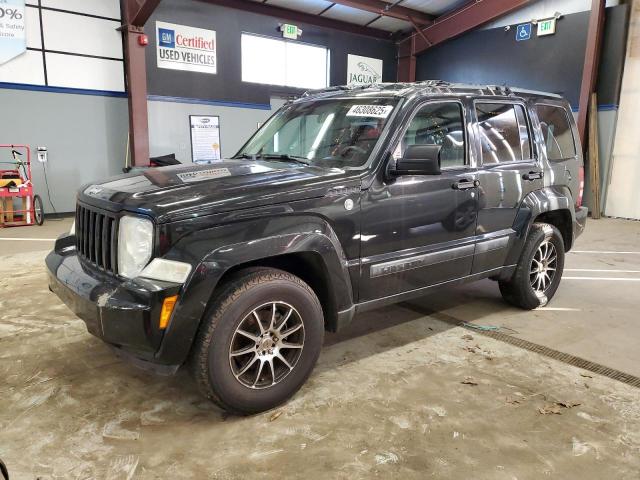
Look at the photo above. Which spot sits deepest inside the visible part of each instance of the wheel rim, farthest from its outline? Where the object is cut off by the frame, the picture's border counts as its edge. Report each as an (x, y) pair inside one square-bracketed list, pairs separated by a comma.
[(37, 211), (543, 267), (266, 345)]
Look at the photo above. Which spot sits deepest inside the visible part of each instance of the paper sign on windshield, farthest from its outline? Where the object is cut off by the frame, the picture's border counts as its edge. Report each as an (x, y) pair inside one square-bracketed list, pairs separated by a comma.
[(376, 111)]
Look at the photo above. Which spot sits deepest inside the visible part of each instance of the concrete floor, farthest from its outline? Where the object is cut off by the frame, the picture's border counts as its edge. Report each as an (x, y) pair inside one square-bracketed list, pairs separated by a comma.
[(393, 396)]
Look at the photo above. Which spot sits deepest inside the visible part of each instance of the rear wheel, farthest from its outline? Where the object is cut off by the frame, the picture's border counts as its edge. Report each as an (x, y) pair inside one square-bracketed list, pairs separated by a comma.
[(539, 270), (38, 210), (260, 342)]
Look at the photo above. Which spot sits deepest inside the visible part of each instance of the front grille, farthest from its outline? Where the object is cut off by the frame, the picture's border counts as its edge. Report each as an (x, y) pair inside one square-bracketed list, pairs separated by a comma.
[(96, 237)]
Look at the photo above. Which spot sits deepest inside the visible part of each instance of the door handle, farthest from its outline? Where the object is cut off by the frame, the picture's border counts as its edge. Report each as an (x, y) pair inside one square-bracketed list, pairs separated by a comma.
[(532, 176), (465, 184)]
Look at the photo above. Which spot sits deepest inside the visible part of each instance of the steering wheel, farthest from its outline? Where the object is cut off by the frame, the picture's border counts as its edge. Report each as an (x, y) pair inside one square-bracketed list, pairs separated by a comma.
[(353, 148)]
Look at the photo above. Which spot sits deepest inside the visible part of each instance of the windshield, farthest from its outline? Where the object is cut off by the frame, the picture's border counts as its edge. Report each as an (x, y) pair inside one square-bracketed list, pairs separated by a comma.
[(329, 133)]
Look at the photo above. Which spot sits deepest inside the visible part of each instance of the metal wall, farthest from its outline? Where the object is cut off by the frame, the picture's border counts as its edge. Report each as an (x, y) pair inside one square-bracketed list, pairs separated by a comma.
[(86, 137), (169, 130)]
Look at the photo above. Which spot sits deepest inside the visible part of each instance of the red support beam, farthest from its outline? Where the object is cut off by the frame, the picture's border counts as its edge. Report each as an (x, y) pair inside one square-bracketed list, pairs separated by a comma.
[(407, 67), (383, 8), (136, 13), (295, 16), (452, 24), (136, 75), (139, 11), (591, 61)]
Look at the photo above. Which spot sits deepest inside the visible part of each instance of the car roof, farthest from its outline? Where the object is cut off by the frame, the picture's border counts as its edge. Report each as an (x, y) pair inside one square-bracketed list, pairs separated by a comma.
[(422, 88)]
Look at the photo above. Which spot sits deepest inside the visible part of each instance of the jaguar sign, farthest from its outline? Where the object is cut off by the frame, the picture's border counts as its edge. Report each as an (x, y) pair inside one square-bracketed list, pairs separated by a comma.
[(363, 70)]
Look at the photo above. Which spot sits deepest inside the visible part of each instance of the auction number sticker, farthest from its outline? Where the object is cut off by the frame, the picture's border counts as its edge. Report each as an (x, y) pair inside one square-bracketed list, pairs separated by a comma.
[(200, 175), (376, 111)]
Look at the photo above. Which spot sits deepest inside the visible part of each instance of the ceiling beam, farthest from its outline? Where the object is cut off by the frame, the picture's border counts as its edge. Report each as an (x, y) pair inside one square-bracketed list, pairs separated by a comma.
[(139, 11), (591, 61), (388, 10), (296, 16), (457, 22)]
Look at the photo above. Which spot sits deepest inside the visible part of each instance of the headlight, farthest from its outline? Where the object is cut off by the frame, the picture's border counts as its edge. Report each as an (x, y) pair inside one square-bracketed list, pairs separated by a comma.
[(135, 245), (72, 230)]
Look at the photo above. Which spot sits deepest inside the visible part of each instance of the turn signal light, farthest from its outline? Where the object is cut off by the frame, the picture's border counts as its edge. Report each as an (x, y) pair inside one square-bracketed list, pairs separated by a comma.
[(167, 310)]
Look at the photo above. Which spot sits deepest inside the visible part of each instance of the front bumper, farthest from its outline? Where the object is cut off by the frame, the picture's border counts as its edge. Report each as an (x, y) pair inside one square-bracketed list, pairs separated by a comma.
[(123, 313)]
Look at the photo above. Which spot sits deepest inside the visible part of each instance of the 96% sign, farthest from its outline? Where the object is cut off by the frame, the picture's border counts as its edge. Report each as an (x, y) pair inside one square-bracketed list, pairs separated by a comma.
[(10, 13)]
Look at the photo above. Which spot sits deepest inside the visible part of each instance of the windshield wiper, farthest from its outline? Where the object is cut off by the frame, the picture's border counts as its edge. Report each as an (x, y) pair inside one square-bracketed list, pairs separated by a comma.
[(285, 158), (275, 156)]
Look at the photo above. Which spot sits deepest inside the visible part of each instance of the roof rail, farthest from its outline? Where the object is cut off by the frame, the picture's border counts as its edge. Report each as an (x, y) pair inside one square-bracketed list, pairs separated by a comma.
[(336, 88), (500, 89)]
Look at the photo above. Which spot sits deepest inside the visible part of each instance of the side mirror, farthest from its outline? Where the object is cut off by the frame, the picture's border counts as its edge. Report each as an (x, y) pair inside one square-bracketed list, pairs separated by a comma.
[(419, 160)]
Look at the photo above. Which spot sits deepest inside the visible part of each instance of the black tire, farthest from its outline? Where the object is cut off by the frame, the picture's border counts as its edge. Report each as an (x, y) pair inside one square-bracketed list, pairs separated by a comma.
[(519, 290), (211, 360), (38, 210)]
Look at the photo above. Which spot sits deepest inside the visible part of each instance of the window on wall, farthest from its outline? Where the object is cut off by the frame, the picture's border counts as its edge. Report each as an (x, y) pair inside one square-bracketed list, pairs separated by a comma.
[(556, 131), (284, 63), (504, 134)]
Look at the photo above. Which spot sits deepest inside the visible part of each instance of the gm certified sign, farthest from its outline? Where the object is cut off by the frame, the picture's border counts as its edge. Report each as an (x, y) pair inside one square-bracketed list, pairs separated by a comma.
[(179, 47)]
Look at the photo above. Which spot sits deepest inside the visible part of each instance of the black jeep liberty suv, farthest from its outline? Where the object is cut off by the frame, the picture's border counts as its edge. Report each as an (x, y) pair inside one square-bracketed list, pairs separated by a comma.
[(347, 199)]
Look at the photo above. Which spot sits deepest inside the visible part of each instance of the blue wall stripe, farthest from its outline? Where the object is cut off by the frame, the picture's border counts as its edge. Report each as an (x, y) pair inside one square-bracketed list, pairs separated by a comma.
[(75, 91), (217, 103), (605, 107)]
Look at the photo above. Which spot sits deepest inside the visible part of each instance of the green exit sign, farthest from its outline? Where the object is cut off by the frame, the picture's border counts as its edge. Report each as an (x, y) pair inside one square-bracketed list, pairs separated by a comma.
[(546, 27), (290, 31)]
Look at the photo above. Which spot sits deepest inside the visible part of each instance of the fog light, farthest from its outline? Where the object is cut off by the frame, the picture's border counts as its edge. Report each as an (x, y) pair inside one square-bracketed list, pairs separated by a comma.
[(167, 310)]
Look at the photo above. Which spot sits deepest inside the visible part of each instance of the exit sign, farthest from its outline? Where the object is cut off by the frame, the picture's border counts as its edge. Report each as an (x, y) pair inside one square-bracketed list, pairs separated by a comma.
[(290, 31), (546, 27)]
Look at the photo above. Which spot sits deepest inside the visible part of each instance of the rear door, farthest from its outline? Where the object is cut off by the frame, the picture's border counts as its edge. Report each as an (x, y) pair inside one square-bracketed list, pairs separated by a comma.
[(509, 170)]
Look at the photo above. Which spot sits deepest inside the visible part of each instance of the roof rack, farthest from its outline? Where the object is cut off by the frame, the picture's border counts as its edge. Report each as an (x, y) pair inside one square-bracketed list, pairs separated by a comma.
[(500, 89)]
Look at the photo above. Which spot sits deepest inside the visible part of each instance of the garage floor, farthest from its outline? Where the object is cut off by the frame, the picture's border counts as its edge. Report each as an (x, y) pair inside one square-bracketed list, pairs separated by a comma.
[(400, 394)]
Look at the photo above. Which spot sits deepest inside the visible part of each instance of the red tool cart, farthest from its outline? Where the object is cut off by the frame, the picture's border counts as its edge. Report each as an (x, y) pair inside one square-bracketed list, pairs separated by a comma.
[(18, 205)]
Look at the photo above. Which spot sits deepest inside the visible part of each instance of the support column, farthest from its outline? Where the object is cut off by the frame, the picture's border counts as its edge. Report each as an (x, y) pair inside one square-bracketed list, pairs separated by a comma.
[(136, 77), (591, 61), (407, 61)]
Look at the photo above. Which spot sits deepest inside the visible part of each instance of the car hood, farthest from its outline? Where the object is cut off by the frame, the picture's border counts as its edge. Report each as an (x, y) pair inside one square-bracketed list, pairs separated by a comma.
[(177, 192)]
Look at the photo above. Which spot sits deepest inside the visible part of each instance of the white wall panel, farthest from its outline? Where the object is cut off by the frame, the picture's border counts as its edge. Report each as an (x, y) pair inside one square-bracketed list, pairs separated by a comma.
[(623, 195), (103, 8), (26, 68), (67, 32), (81, 72), (32, 24)]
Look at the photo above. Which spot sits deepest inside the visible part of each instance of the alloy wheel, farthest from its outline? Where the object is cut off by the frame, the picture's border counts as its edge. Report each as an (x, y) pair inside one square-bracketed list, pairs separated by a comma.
[(266, 345), (543, 267)]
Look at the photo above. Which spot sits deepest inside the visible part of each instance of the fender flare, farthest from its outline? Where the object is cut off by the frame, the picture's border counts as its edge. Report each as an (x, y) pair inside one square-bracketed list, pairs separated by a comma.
[(547, 199), (291, 235)]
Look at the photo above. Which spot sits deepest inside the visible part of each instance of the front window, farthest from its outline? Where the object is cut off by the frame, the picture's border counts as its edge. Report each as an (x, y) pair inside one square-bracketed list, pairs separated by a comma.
[(329, 133)]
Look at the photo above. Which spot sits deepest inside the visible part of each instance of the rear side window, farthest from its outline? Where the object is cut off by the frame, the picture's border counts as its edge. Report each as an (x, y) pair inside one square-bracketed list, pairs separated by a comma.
[(556, 130), (504, 134)]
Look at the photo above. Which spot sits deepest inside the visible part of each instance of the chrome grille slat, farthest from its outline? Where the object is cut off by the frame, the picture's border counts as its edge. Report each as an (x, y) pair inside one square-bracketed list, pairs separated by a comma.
[(96, 237)]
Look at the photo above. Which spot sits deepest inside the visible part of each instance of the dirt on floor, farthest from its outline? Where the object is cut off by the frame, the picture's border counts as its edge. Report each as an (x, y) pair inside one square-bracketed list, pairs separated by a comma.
[(397, 395)]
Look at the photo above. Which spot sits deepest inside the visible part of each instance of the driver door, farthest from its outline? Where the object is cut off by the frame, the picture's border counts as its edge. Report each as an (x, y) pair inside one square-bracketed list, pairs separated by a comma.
[(418, 230)]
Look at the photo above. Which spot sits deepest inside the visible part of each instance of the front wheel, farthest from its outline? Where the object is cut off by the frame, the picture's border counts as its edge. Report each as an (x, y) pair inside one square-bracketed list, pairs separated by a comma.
[(539, 270), (260, 341)]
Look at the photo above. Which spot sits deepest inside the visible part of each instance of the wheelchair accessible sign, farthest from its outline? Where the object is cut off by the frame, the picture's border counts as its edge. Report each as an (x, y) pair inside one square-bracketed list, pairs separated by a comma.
[(523, 32)]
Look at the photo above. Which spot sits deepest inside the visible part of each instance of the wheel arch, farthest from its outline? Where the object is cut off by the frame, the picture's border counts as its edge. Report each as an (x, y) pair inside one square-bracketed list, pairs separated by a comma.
[(552, 205), (305, 246)]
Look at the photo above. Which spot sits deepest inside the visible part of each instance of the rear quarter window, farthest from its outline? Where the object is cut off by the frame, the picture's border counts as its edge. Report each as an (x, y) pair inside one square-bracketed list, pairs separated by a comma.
[(556, 131)]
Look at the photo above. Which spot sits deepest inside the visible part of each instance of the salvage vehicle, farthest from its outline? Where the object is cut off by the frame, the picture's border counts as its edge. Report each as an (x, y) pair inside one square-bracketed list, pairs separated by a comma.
[(346, 199)]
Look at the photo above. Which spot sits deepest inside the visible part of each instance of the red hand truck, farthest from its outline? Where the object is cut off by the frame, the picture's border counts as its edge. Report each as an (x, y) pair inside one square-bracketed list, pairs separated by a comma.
[(16, 189)]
